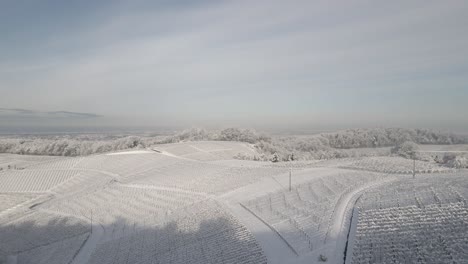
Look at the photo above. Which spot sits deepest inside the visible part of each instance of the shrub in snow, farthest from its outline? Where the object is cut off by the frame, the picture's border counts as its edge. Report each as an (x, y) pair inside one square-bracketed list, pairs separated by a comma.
[(275, 157), (455, 161), (244, 156), (323, 258)]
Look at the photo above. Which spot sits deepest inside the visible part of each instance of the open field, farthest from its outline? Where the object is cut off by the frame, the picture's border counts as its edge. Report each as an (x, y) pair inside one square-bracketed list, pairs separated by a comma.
[(206, 150), (193, 203), (438, 148)]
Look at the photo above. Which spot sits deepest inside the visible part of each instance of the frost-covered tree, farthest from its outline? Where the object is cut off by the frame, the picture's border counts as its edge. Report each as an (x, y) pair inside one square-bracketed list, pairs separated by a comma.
[(275, 157), (338, 144), (407, 149)]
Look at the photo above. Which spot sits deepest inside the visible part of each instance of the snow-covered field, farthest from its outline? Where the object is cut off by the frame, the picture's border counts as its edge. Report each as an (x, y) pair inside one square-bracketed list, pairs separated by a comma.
[(192, 202), (8, 161), (448, 148), (421, 220), (207, 150), (395, 165)]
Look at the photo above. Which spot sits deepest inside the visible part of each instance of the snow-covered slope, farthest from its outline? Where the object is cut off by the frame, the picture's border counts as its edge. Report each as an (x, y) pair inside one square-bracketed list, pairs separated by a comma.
[(192, 203)]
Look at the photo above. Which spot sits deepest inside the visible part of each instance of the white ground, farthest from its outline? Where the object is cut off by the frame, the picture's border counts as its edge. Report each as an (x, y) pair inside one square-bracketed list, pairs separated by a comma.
[(134, 152), (125, 192)]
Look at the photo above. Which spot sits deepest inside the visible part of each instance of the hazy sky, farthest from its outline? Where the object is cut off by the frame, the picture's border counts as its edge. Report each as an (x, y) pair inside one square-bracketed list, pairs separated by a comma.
[(249, 63)]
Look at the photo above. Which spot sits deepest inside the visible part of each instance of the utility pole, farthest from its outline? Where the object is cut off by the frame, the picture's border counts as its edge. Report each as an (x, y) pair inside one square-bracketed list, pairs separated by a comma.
[(414, 167), (291, 158), (91, 221)]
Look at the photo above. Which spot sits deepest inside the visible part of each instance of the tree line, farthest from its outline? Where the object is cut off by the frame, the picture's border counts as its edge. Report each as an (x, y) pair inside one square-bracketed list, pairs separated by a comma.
[(339, 144)]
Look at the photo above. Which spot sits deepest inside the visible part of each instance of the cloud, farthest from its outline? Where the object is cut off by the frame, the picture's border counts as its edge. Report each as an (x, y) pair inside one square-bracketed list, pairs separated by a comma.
[(31, 115)]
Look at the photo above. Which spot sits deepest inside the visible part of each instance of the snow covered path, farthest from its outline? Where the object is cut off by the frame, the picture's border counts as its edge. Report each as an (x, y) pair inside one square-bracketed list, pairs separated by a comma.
[(165, 188), (339, 227)]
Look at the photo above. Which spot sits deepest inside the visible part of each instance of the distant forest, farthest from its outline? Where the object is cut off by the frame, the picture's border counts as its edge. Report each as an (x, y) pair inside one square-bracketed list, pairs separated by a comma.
[(340, 144)]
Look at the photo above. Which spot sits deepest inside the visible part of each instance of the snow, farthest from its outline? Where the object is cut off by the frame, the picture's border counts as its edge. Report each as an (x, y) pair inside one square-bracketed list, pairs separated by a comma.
[(206, 150), (198, 193), (132, 152)]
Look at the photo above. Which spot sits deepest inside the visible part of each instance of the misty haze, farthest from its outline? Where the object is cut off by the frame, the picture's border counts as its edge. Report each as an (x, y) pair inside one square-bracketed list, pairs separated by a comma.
[(264, 131)]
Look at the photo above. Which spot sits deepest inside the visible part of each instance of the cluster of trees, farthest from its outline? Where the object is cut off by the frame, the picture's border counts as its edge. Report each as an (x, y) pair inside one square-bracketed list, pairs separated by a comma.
[(305, 149), (386, 137), (357, 143), (66, 146), (228, 134)]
